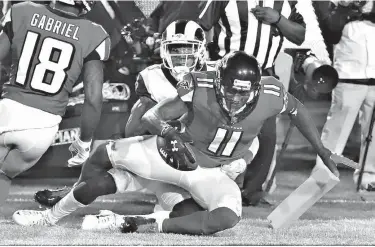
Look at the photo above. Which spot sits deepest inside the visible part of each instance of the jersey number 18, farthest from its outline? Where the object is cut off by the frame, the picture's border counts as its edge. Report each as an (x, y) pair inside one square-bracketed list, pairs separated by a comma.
[(55, 57)]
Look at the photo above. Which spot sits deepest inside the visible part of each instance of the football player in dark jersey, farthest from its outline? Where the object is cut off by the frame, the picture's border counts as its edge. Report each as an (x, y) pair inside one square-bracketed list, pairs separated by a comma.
[(182, 51), (226, 110), (51, 46)]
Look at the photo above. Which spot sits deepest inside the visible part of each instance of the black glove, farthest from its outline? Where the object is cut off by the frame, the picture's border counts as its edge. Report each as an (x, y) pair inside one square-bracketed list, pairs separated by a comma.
[(176, 124), (179, 155)]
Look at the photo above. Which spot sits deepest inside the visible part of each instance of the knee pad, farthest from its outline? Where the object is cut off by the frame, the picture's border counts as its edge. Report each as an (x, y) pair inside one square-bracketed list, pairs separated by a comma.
[(123, 179)]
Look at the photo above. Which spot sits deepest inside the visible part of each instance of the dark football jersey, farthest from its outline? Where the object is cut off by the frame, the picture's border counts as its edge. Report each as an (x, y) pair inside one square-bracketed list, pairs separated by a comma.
[(49, 49), (215, 141)]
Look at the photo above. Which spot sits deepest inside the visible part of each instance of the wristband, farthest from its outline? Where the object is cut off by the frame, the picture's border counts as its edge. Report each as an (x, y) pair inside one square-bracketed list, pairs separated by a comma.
[(278, 20)]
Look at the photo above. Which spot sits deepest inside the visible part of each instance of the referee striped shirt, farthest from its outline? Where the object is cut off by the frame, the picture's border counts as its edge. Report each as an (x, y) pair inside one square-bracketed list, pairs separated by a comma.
[(236, 28)]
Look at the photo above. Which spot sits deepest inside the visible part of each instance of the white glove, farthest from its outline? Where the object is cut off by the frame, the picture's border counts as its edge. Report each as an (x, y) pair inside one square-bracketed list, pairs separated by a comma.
[(80, 152), (150, 41), (234, 169)]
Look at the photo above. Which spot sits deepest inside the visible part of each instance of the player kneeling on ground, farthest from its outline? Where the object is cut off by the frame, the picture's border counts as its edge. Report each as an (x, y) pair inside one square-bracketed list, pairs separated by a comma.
[(226, 110)]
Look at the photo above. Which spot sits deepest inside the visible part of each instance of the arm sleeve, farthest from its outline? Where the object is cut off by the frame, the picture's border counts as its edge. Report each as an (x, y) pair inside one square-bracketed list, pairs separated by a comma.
[(140, 87), (101, 52), (210, 12)]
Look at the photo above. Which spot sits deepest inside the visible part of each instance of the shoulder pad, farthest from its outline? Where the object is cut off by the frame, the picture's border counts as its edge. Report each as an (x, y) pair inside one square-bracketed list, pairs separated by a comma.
[(272, 86), (152, 67), (211, 65), (204, 78)]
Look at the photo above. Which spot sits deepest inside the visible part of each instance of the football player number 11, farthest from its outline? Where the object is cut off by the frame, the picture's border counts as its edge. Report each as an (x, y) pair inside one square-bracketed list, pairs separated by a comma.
[(54, 58), (221, 139)]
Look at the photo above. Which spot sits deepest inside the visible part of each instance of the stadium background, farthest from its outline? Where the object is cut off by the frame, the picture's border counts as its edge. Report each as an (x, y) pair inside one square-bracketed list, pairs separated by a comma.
[(113, 16)]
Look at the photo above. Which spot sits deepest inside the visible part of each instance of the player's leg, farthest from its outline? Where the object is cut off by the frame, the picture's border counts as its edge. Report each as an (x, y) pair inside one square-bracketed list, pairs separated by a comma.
[(170, 198), (214, 191), (87, 191), (80, 196), (223, 202), (143, 159), (20, 150), (92, 168), (347, 99), (365, 115), (257, 171)]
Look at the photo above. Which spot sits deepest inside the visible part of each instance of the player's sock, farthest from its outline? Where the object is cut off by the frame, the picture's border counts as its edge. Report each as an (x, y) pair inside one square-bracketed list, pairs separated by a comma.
[(66, 206), (202, 222), (5, 183)]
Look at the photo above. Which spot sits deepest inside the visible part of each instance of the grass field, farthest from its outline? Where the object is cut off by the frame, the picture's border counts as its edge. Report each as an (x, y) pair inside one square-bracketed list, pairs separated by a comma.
[(340, 218)]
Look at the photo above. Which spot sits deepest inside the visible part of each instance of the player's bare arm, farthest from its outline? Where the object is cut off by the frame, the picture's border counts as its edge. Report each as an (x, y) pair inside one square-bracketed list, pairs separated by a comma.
[(155, 119), (4, 36), (92, 107), (133, 126), (4, 45), (292, 30), (301, 118)]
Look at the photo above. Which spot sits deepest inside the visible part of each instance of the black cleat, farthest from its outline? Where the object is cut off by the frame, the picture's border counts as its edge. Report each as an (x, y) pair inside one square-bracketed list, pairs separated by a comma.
[(257, 199), (138, 224), (49, 198)]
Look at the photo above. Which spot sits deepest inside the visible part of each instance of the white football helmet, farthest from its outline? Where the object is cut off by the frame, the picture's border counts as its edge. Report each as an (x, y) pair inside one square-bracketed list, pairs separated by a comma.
[(183, 46), (84, 5)]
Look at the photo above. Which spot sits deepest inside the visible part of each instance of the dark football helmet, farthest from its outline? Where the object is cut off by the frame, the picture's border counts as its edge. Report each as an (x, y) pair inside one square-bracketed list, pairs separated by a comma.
[(183, 46), (237, 84), (84, 5)]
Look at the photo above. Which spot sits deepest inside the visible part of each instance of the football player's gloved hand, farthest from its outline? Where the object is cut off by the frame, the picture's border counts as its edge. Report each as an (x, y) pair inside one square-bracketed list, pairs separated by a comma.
[(182, 156), (234, 168), (177, 125), (80, 151)]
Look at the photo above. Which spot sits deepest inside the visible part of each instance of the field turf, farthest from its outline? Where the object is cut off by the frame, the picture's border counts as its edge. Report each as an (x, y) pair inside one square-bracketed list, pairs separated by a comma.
[(342, 217)]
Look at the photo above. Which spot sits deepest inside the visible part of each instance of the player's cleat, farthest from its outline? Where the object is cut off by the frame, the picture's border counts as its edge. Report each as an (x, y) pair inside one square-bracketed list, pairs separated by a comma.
[(139, 224), (31, 218), (255, 200), (105, 220), (49, 198)]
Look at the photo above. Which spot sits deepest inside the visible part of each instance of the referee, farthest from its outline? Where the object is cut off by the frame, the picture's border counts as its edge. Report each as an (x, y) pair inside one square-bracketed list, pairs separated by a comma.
[(258, 28)]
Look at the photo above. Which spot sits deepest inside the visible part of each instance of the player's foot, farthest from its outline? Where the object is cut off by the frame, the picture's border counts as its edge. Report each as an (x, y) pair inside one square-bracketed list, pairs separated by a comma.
[(106, 219), (31, 218), (79, 155), (257, 199), (49, 198), (139, 224)]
